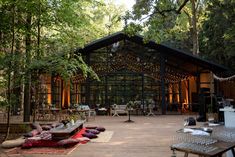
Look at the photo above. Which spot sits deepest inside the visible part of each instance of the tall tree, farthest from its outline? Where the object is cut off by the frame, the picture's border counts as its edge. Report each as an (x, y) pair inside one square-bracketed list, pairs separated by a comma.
[(218, 37), (176, 23), (45, 29)]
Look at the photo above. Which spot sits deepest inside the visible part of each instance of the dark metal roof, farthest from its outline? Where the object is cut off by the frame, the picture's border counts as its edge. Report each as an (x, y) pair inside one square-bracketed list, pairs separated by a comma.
[(118, 36)]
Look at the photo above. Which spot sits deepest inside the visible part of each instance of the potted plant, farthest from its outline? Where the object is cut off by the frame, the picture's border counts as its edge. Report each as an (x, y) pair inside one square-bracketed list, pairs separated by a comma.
[(130, 105), (210, 115)]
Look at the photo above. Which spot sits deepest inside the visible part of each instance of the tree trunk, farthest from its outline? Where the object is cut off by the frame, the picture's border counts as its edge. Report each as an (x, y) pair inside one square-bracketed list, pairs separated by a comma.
[(194, 28), (37, 83), (27, 93), (9, 73)]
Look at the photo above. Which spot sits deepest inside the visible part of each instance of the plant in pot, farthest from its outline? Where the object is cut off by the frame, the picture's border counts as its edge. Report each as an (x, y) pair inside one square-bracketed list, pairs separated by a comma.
[(130, 105), (211, 117)]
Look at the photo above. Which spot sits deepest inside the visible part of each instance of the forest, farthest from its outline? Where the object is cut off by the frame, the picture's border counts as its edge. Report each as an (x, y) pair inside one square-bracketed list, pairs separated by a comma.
[(41, 36)]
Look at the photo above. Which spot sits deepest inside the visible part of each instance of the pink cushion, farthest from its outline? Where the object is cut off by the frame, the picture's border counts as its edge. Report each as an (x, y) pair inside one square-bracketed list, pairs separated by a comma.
[(39, 143)]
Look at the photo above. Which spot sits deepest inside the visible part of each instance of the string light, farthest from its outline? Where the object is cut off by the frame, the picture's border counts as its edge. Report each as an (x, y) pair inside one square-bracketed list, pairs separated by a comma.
[(130, 61)]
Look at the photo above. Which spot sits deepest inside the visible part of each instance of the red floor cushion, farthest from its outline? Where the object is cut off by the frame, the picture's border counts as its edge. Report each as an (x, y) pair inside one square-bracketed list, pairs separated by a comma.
[(29, 143)]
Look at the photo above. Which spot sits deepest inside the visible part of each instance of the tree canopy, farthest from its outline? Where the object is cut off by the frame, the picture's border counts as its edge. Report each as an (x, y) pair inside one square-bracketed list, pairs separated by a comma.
[(42, 35), (202, 27)]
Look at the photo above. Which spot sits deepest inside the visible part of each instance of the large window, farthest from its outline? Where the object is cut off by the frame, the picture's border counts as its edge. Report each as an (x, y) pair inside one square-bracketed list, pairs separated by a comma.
[(75, 93), (45, 90), (56, 96)]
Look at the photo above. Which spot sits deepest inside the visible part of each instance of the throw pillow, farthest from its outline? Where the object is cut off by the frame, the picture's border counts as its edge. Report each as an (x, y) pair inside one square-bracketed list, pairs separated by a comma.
[(46, 127), (89, 135), (39, 143), (91, 127), (13, 143), (68, 142), (101, 129), (37, 126), (93, 131), (32, 133), (55, 124)]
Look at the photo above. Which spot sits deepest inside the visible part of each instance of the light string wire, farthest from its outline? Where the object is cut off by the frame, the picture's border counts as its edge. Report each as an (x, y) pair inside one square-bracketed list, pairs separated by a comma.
[(223, 78)]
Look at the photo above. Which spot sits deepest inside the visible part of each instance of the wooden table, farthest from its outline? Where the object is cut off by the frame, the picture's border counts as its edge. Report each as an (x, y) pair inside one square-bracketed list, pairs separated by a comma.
[(65, 132), (220, 148)]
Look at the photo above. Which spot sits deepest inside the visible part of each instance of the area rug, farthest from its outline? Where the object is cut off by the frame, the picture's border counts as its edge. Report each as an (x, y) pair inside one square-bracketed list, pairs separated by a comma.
[(41, 150), (103, 137), (47, 150)]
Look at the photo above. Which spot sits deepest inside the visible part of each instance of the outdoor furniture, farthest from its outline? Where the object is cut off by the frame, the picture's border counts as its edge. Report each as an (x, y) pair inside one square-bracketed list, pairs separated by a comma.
[(205, 142), (102, 111), (118, 109), (84, 112), (63, 132), (129, 115), (47, 114), (217, 149), (229, 116), (3, 114)]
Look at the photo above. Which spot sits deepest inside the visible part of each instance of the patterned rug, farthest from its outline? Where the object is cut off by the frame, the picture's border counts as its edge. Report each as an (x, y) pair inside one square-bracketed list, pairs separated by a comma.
[(46, 150), (41, 150), (103, 137)]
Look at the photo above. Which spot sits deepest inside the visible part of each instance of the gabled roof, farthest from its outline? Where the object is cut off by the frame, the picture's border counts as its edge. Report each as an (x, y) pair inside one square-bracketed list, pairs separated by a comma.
[(166, 50)]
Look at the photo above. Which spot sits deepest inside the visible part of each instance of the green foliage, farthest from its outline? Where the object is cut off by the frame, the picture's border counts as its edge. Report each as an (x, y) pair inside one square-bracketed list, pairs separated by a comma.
[(57, 28), (217, 39), (130, 105), (63, 65), (160, 21)]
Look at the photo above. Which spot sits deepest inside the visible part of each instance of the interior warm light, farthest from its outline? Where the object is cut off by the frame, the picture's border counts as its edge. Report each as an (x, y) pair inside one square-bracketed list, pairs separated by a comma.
[(170, 95), (76, 98), (49, 93), (66, 96)]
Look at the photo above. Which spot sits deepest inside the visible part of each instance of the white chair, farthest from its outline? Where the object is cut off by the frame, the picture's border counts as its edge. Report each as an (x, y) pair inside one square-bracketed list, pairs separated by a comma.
[(150, 107), (115, 108)]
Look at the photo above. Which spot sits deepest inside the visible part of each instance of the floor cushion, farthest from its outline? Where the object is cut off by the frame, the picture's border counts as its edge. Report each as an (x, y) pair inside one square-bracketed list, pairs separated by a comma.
[(89, 135), (37, 126), (32, 133), (29, 143), (13, 143), (101, 129), (91, 127), (56, 124), (93, 131), (46, 127), (68, 142)]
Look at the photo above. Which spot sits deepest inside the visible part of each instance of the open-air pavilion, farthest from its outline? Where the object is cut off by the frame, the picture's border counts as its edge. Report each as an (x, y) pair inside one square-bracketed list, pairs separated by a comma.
[(131, 69)]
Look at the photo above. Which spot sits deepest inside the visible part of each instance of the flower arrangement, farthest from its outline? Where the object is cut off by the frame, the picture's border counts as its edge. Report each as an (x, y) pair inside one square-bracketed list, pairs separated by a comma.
[(130, 105), (114, 106)]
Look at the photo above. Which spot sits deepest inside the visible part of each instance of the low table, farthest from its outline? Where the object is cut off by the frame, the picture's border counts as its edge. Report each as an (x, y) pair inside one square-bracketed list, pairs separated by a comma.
[(64, 132)]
